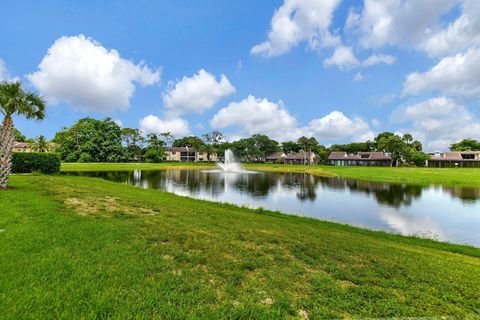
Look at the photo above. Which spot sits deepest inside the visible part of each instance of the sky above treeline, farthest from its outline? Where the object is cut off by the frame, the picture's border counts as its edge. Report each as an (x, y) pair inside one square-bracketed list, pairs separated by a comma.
[(340, 71)]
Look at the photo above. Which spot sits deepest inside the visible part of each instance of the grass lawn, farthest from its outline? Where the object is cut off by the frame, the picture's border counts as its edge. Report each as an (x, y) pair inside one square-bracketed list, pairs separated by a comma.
[(448, 177), (77, 247)]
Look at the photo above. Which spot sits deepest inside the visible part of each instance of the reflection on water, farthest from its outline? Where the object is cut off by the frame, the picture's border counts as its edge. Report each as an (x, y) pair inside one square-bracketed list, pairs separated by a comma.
[(450, 214)]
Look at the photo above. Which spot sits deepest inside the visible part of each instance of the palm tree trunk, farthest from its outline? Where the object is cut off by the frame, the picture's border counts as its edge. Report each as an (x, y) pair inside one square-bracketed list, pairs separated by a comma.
[(7, 139)]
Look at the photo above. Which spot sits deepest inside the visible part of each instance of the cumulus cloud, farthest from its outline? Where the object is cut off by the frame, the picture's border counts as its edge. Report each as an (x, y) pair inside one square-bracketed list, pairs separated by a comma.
[(343, 58), (336, 125), (197, 93), (297, 21), (4, 74), (397, 22), (260, 116), (92, 78), (460, 34), (255, 116), (378, 58), (439, 122), (153, 124), (454, 75)]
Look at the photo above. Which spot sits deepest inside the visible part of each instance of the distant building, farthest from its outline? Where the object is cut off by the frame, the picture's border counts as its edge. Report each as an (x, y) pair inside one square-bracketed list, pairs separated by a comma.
[(292, 158), (21, 147), (463, 159), (369, 159), (301, 158), (187, 154), (276, 157)]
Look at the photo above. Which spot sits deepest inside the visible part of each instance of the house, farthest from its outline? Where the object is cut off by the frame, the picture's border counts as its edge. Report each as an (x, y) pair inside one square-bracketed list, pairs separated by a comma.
[(463, 159), (370, 159), (187, 154), (21, 147), (276, 157), (300, 158)]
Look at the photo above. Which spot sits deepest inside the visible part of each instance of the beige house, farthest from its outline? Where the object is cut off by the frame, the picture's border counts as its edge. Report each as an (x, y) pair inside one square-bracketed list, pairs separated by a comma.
[(186, 154), (369, 159), (21, 147), (463, 159), (292, 158)]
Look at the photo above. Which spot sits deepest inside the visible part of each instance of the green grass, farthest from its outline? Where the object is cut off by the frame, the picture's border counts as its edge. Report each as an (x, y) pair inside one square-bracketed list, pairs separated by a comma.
[(423, 176), (81, 248)]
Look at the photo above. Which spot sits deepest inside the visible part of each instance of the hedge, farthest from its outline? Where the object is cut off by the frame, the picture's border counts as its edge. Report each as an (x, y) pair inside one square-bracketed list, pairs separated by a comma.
[(26, 162)]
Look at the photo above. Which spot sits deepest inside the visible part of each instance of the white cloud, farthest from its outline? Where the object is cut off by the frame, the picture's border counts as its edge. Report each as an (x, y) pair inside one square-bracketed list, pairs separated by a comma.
[(153, 124), (297, 21), (4, 74), (80, 71), (397, 22), (3, 71), (343, 58), (260, 116), (378, 58), (454, 75), (459, 35), (358, 77), (197, 93), (336, 125), (255, 116), (439, 122)]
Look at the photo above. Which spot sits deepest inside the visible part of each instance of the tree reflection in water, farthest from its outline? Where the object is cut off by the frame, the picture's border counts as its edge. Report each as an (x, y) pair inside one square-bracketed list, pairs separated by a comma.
[(261, 184)]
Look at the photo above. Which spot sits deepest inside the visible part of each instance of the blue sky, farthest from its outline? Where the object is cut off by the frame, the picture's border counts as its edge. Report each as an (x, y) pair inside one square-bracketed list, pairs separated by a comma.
[(337, 70)]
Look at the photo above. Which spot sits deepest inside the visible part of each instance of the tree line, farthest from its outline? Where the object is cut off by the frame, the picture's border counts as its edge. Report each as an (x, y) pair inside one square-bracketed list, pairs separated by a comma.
[(92, 140)]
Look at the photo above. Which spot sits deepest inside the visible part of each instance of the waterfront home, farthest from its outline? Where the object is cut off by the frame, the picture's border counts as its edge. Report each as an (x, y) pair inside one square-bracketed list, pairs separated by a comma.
[(369, 159), (292, 158), (460, 159), (187, 154), (301, 158), (276, 157)]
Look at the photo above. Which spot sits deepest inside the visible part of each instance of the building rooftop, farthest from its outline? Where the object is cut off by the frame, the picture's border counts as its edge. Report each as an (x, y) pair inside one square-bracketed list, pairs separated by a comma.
[(341, 155)]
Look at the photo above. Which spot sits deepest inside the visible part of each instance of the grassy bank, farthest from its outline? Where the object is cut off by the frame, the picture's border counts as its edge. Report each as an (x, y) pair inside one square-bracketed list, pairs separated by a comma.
[(75, 247), (423, 176)]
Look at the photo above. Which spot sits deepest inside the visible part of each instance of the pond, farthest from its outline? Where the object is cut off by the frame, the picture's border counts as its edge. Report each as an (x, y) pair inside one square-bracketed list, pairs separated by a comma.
[(444, 213)]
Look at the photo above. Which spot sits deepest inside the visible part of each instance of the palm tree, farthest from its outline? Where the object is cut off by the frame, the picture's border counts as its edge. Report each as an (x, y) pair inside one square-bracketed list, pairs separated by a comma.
[(168, 138), (14, 100), (41, 144)]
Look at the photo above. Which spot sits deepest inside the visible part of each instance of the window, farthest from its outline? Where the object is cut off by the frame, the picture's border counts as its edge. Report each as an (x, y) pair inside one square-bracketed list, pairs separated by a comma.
[(468, 156)]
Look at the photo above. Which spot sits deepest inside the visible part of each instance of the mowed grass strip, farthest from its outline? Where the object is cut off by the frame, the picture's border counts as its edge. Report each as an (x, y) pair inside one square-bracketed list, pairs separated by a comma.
[(75, 247), (459, 177)]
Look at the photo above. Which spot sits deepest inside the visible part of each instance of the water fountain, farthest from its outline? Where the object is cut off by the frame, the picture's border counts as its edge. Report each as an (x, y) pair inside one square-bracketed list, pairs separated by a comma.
[(229, 164)]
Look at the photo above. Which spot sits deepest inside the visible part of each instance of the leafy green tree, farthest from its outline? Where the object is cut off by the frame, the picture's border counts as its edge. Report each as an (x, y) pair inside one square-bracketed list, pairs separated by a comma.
[(394, 145), (133, 140), (154, 155), (466, 145), (215, 137), (41, 144), (211, 141), (191, 142), (415, 158), (291, 147), (14, 100), (155, 143), (354, 147), (100, 139), (168, 137)]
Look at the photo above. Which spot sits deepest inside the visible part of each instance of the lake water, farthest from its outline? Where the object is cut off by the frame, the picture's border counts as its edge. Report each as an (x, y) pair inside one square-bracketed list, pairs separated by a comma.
[(443, 213)]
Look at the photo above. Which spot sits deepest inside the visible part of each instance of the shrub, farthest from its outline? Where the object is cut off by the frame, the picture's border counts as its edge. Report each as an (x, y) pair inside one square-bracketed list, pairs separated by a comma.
[(26, 162), (85, 157)]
